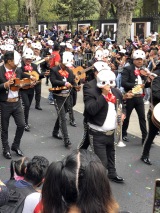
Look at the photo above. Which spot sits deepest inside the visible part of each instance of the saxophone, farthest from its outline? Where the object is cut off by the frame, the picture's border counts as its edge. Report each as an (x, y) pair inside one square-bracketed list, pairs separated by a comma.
[(120, 142)]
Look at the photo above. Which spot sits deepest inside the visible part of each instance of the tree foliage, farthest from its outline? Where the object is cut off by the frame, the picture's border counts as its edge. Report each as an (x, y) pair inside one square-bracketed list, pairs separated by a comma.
[(75, 9)]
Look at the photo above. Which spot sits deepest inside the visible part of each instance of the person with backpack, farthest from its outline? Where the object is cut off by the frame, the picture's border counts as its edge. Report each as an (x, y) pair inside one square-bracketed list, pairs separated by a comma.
[(19, 189)]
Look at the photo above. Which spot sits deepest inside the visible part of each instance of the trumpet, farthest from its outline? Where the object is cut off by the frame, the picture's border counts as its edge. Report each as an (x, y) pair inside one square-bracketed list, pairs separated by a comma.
[(120, 142)]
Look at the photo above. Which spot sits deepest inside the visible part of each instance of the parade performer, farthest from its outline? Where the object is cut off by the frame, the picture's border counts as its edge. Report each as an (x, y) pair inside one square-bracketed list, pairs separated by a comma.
[(130, 78), (100, 98), (28, 94), (10, 104), (153, 129), (62, 77)]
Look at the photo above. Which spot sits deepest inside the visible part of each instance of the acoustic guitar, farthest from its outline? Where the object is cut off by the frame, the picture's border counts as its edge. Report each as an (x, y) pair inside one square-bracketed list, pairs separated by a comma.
[(80, 72), (33, 73)]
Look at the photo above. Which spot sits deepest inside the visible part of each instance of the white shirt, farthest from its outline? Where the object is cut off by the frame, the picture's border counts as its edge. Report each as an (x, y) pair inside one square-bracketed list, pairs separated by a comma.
[(110, 122), (31, 202)]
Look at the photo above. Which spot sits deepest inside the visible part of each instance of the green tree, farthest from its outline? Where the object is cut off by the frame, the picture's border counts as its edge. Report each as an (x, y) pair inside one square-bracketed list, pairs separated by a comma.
[(75, 9)]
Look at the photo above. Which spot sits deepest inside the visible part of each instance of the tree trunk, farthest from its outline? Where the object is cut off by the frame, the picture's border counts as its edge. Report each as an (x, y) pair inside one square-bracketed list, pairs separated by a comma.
[(104, 8), (125, 10), (19, 10), (32, 14), (121, 26)]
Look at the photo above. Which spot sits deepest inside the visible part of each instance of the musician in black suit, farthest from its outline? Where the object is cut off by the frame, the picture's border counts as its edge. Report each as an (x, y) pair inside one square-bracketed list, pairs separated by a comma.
[(28, 94), (61, 76), (153, 130), (10, 104), (100, 112), (130, 78)]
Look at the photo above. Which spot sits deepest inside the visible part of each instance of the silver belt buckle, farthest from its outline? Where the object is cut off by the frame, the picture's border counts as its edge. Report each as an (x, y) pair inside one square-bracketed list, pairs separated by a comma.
[(110, 132)]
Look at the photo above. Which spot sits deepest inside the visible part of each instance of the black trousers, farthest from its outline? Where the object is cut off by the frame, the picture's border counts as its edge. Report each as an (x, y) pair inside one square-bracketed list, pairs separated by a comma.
[(104, 148), (61, 105), (70, 108), (7, 110), (137, 104), (37, 89), (152, 132), (27, 97)]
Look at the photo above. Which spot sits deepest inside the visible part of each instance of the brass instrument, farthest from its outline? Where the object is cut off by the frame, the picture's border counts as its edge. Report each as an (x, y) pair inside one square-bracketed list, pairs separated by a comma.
[(120, 142)]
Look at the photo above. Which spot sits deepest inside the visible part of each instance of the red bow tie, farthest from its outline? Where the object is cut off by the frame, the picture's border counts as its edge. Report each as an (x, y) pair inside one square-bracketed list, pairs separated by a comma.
[(110, 98), (137, 72), (10, 74), (28, 68)]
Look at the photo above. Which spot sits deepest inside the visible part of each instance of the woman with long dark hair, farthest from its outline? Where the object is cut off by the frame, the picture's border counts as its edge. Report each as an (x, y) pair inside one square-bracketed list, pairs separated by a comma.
[(78, 184)]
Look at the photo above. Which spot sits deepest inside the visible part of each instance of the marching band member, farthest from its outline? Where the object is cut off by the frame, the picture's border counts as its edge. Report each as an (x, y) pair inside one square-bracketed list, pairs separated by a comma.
[(10, 104), (100, 111), (28, 94), (130, 78), (61, 76), (42, 69), (153, 130)]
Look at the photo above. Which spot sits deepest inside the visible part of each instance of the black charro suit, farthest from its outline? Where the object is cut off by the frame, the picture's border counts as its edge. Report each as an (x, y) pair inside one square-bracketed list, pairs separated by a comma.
[(61, 103), (96, 110), (153, 130), (28, 94), (8, 109), (137, 103)]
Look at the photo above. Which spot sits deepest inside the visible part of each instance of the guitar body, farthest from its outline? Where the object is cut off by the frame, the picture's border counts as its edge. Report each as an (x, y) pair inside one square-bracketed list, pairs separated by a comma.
[(78, 71), (33, 73)]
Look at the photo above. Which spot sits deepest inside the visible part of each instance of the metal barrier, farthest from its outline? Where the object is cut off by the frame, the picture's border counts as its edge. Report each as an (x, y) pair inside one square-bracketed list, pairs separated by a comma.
[(82, 60)]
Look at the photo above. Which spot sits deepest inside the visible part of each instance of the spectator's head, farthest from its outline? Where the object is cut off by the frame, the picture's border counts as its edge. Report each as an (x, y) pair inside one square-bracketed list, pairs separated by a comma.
[(80, 179), (128, 42), (36, 170), (4, 194), (18, 168)]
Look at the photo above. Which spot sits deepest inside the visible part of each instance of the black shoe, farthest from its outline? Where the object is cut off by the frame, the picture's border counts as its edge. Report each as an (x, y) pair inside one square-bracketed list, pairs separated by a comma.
[(73, 123), (7, 155), (67, 142), (125, 138), (146, 160), (27, 128), (17, 151), (57, 136), (38, 107), (117, 179)]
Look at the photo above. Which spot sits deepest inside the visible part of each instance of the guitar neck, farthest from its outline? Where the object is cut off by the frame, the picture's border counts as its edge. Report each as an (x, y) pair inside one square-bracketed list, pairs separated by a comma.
[(85, 70), (39, 62)]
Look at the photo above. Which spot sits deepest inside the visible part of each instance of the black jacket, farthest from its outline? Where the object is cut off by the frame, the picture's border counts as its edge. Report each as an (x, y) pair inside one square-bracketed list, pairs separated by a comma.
[(3, 91), (128, 78), (57, 80), (96, 107)]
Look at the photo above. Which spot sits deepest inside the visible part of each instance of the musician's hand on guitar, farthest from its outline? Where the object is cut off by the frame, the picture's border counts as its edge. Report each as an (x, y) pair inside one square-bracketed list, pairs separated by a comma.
[(128, 95), (8, 83), (142, 85), (68, 85), (33, 78), (33, 83)]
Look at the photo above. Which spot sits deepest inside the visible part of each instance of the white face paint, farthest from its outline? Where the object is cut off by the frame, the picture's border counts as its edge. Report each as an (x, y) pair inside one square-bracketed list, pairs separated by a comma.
[(106, 77)]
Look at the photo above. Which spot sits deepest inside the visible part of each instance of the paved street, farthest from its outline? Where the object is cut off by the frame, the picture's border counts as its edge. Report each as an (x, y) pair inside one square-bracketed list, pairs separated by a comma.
[(135, 195)]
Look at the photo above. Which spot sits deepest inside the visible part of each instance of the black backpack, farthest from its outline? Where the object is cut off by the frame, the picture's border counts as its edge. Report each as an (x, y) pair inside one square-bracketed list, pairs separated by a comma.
[(16, 198)]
